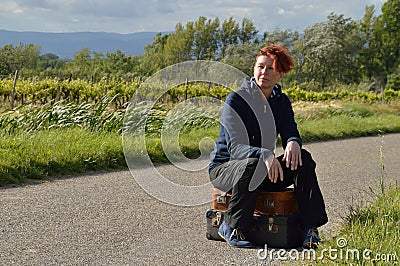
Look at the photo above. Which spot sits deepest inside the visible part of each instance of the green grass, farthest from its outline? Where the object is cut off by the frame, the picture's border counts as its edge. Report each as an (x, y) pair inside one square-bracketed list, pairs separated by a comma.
[(340, 127), (371, 235), (52, 153)]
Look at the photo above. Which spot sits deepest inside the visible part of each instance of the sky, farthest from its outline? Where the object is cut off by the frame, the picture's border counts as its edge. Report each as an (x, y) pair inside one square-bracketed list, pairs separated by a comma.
[(129, 16)]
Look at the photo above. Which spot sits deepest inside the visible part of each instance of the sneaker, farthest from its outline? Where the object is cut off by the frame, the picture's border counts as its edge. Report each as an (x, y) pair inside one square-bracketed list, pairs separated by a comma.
[(311, 239), (233, 237)]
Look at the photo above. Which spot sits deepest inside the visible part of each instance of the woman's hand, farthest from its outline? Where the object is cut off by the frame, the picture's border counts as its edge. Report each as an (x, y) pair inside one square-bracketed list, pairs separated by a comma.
[(274, 169), (292, 155)]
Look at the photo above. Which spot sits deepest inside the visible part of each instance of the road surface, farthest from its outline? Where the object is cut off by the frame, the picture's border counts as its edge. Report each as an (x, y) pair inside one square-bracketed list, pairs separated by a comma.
[(108, 219)]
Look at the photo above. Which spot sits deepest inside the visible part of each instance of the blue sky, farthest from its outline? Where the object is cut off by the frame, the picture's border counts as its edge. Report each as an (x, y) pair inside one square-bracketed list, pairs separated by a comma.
[(128, 16)]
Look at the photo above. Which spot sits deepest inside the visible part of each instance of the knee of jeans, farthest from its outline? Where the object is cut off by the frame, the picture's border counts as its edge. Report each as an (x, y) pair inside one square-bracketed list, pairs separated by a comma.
[(250, 167)]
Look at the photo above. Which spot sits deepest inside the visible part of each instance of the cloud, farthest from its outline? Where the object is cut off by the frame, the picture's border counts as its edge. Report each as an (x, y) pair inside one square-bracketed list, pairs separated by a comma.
[(126, 16)]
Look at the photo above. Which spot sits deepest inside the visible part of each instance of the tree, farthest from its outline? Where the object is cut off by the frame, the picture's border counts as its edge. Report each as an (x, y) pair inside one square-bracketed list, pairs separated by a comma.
[(153, 58), (241, 56), (22, 57), (368, 54), (248, 32), (228, 36), (82, 65), (386, 40), (178, 47), (119, 65), (206, 36), (331, 50)]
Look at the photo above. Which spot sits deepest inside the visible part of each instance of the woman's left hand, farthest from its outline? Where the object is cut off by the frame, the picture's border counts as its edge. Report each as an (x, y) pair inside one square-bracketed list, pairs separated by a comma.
[(292, 155)]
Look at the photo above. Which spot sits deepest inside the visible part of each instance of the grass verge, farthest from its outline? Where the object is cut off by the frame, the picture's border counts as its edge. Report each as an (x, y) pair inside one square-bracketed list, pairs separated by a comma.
[(52, 153), (370, 237)]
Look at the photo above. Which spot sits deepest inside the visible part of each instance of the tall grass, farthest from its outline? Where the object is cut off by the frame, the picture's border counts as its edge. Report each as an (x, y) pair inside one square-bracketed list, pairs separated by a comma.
[(92, 116)]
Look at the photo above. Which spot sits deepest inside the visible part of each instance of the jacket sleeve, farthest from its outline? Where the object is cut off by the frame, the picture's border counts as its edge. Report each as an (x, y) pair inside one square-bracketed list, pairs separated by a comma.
[(288, 126), (233, 120)]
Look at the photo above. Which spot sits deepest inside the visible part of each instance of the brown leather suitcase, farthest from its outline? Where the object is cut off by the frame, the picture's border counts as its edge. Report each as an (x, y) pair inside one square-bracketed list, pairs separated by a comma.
[(268, 203)]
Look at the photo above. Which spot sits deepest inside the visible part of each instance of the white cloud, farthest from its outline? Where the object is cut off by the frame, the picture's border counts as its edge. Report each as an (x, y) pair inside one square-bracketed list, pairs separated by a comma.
[(281, 11), (127, 16)]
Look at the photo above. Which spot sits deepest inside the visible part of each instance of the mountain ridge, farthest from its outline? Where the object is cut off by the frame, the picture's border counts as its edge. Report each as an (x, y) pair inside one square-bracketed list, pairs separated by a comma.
[(67, 44)]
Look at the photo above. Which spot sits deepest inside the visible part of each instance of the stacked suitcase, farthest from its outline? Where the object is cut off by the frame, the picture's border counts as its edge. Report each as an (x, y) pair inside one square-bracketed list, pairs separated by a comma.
[(275, 220)]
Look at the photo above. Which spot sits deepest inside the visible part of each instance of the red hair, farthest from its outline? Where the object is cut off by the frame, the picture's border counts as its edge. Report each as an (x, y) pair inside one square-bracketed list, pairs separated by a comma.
[(283, 60)]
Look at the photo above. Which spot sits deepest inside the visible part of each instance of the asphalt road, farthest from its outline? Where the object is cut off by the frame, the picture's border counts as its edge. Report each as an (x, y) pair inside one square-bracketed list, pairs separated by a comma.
[(108, 219)]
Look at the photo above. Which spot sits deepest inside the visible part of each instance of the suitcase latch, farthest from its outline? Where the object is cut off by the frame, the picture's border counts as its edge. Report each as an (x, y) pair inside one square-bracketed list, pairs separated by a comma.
[(216, 221), (221, 199), (271, 227)]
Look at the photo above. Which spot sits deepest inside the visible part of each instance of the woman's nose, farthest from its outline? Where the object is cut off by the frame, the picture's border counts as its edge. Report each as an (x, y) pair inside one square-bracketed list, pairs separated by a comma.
[(264, 70)]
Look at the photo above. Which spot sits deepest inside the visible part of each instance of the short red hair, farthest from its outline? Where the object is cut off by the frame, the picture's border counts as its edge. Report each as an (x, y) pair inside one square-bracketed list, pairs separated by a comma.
[(283, 60)]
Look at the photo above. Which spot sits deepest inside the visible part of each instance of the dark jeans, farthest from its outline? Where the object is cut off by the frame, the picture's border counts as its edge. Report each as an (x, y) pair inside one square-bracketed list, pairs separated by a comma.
[(236, 175)]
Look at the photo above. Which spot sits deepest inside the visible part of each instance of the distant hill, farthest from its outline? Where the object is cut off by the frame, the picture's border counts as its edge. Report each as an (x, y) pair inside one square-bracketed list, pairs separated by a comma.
[(65, 45)]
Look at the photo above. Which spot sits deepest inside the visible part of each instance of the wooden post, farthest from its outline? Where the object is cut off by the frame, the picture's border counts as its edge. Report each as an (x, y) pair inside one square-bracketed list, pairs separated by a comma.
[(186, 88), (165, 91), (13, 89), (106, 87)]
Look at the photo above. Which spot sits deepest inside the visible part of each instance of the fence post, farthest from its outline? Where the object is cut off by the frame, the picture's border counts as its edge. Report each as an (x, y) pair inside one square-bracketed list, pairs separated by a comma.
[(106, 87), (186, 88), (13, 89)]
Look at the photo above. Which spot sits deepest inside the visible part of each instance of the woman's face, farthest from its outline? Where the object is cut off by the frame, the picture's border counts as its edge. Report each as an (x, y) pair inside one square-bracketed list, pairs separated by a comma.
[(265, 73)]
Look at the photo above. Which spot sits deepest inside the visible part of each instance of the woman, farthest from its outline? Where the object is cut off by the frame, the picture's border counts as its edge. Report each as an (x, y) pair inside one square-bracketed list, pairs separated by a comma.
[(243, 159)]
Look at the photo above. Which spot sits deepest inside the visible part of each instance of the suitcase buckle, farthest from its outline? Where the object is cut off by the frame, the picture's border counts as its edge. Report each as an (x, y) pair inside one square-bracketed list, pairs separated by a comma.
[(216, 221), (221, 199), (272, 228)]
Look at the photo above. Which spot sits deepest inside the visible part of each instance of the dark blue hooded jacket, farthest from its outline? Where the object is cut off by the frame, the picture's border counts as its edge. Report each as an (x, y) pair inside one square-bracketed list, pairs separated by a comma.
[(250, 124)]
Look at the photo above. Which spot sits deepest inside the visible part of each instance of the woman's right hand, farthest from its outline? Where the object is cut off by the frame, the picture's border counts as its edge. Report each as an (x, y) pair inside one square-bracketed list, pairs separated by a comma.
[(274, 169)]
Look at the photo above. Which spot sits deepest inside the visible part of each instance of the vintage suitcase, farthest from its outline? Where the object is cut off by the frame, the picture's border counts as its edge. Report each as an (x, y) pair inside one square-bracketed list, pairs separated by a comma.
[(275, 231), (268, 203)]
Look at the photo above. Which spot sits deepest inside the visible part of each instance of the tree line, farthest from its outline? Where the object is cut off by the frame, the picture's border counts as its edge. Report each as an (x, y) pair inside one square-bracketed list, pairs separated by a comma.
[(328, 54)]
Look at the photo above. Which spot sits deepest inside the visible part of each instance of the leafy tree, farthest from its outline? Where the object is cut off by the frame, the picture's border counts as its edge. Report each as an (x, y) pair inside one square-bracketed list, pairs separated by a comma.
[(206, 36), (22, 57), (368, 59), (178, 47), (119, 65), (153, 58), (241, 57), (331, 50), (285, 37), (248, 32), (386, 40), (229, 35)]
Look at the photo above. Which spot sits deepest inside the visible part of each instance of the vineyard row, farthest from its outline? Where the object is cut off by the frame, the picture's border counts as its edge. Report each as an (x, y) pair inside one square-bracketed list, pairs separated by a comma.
[(48, 90)]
